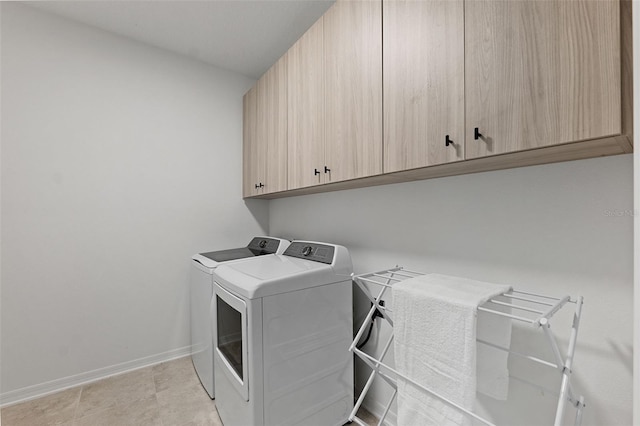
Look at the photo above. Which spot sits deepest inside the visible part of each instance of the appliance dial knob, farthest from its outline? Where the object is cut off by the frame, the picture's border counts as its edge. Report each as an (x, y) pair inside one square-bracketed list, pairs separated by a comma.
[(306, 251), (263, 243)]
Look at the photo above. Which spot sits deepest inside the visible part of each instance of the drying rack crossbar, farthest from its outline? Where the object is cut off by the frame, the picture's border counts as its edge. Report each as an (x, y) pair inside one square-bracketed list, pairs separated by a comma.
[(543, 306)]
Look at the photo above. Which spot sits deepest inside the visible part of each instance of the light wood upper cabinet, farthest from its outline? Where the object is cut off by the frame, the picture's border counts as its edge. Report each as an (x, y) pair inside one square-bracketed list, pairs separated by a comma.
[(542, 81), (252, 166), (541, 73), (272, 125), (423, 69), (305, 78), (265, 133), (353, 89)]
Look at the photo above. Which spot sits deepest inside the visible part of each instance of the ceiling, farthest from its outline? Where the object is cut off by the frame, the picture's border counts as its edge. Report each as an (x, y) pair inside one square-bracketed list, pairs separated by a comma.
[(246, 36)]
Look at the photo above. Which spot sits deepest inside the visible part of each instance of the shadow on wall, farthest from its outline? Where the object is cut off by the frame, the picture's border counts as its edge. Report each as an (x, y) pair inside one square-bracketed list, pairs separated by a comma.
[(259, 209), (624, 354)]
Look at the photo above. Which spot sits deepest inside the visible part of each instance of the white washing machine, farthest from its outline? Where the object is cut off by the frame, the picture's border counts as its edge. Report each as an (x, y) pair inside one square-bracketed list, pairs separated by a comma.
[(203, 312), (284, 326)]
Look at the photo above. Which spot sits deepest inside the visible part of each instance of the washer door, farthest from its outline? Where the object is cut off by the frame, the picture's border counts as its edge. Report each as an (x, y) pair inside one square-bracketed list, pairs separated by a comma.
[(231, 342)]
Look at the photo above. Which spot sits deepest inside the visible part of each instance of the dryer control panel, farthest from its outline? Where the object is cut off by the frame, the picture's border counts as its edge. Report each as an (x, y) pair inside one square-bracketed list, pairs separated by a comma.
[(322, 253)]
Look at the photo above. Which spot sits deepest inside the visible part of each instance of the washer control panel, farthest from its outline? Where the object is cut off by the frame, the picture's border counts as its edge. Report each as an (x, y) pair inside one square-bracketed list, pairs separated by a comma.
[(264, 245), (322, 253)]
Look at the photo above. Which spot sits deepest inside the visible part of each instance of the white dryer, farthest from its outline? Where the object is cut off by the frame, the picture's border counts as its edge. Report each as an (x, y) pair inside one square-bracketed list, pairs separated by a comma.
[(203, 312), (284, 326)]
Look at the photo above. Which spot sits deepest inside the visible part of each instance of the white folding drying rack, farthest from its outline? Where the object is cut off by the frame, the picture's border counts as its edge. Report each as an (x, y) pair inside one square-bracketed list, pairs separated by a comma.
[(537, 311)]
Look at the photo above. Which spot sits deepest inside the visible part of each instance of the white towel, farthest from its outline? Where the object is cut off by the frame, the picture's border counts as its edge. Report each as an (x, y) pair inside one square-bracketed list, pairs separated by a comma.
[(435, 345), (491, 363)]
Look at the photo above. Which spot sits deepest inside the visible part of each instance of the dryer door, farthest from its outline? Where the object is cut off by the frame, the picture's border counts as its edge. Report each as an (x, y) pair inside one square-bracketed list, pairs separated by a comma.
[(231, 341)]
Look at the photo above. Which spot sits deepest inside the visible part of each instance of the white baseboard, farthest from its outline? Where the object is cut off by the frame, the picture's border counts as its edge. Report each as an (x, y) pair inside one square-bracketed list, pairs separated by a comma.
[(46, 388)]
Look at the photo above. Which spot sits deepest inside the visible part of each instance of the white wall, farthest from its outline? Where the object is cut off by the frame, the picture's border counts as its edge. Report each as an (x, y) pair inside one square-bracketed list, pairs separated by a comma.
[(557, 229), (119, 161)]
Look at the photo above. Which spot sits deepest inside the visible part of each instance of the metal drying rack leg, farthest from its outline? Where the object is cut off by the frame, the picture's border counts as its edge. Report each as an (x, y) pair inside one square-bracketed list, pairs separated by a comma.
[(566, 392)]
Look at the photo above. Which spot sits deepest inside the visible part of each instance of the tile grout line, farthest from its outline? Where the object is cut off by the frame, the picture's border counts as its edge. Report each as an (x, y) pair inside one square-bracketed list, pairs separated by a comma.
[(75, 410), (155, 395)]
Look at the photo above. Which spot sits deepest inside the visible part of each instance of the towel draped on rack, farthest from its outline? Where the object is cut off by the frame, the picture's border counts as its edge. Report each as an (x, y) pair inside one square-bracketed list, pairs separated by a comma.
[(435, 344)]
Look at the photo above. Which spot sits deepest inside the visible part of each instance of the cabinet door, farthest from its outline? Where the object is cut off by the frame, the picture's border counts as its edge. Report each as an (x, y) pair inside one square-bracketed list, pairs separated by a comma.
[(423, 69), (540, 73), (305, 79), (353, 89), (251, 166), (272, 127)]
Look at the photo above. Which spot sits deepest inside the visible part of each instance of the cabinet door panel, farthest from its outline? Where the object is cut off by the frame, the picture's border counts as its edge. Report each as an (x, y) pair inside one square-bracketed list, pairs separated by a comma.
[(272, 126), (540, 73), (353, 89), (423, 73), (306, 109), (250, 155)]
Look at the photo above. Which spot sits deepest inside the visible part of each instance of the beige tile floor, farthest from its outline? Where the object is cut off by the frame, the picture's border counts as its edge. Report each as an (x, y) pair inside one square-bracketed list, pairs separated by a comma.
[(164, 394)]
